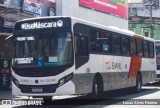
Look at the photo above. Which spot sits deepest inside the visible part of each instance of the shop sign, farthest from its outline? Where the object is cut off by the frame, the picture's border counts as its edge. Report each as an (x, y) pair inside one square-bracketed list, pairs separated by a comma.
[(32, 7), (9, 23)]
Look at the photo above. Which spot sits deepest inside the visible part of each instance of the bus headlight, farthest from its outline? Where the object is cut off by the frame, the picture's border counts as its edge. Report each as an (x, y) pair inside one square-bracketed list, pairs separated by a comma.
[(61, 82), (69, 77), (15, 81), (65, 79)]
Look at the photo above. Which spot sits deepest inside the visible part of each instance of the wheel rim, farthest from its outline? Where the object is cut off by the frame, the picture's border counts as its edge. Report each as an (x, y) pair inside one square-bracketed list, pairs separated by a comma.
[(139, 84), (96, 89)]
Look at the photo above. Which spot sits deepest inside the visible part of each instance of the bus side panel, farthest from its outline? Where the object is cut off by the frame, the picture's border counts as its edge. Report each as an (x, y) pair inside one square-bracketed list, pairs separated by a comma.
[(83, 82), (115, 73), (148, 70)]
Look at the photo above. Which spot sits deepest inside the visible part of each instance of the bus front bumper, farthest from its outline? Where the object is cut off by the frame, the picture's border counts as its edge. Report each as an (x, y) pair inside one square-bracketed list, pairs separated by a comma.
[(66, 89)]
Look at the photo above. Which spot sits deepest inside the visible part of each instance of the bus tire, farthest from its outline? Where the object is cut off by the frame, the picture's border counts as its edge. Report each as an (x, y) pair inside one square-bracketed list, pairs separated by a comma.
[(138, 83), (97, 88)]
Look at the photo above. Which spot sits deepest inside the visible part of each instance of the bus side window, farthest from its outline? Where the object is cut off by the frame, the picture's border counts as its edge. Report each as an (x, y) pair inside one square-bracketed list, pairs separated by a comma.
[(106, 42), (116, 43), (125, 46), (151, 49), (139, 48), (133, 47), (82, 54), (145, 48), (95, 37), (81, 46)]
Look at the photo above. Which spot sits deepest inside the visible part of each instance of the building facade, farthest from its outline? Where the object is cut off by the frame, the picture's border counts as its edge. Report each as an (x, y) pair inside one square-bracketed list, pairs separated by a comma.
[(106, 12), (144, 18)]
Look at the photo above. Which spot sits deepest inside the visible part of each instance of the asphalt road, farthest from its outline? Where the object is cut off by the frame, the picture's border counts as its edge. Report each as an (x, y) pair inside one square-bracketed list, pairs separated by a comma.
[(126, 98)]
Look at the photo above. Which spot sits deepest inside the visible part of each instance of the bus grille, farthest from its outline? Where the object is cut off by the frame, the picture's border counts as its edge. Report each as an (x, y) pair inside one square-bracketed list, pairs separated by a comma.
[(45, 88)]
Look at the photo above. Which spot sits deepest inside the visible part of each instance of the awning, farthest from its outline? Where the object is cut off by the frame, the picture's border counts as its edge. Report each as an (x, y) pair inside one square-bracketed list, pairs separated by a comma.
[(5, 34)]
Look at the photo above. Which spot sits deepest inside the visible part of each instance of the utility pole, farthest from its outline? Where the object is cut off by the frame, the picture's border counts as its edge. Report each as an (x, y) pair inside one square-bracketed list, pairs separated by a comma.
[(151, 4), (151, 19)]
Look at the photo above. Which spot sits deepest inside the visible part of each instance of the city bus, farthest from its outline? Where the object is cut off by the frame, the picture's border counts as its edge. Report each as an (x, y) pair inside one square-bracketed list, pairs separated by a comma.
[(56, 56), (157, 47)]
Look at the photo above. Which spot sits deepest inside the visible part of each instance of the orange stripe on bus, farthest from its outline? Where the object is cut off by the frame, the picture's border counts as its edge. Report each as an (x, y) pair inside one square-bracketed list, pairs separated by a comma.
[(141, 37), (135, 66)]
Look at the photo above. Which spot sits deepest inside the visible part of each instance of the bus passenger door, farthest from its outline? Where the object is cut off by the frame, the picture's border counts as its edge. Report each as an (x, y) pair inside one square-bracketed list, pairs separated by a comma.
[(81, 50), (82, 78)]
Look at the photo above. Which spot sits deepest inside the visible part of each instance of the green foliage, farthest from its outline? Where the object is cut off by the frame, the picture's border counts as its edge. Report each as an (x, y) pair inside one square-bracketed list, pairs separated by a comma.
[(114, 1), (120, 1)]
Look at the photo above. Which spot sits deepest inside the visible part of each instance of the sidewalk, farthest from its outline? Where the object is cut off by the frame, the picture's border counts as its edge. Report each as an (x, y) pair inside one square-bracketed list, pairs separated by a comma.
[(6, 94)]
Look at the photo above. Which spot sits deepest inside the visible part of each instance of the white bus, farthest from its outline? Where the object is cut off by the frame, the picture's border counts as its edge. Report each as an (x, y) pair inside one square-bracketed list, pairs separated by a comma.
[(157, 46), (65, 56)]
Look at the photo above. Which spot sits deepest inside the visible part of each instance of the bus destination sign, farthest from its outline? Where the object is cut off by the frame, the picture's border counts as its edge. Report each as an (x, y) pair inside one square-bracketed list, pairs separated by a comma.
[(41, 25)]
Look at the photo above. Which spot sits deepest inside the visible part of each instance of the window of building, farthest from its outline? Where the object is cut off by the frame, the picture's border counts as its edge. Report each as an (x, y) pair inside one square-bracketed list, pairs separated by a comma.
[(132, 29), (146, 32)]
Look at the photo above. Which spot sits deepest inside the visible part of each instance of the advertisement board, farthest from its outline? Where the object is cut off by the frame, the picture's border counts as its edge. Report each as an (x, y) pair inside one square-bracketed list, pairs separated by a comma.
[(32, 7), (5, 73), (39, 7), (16, 4), (8, 23), (114, 7)]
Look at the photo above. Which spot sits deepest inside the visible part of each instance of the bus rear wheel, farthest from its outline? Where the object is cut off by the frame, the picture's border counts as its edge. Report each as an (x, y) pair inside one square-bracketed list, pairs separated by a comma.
[(138, 83)]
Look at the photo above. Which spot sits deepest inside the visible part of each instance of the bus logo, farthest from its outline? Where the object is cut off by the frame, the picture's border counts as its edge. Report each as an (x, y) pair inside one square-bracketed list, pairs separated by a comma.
[(113, 65)]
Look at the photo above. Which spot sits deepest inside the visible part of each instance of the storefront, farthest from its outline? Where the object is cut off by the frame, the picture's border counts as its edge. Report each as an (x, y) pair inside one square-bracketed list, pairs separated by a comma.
[(5, 62)]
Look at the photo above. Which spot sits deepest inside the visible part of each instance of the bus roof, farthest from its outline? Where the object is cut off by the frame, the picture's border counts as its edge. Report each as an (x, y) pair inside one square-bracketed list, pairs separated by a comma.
[(143, 37), (110, 28), (157, 40)]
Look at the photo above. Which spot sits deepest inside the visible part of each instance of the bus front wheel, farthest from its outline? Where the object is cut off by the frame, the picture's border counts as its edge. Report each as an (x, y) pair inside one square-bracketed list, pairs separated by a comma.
[(97, 88)]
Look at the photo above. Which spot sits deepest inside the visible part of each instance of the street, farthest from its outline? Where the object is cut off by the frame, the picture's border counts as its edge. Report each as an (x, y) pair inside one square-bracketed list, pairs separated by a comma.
[(149, 97)]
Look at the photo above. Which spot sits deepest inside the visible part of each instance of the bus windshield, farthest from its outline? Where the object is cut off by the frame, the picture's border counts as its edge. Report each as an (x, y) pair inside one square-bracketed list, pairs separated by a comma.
[(43, 49)]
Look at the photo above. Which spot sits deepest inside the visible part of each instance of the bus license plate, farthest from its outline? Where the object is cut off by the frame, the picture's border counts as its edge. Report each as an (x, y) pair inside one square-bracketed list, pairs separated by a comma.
[(37, 90)]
